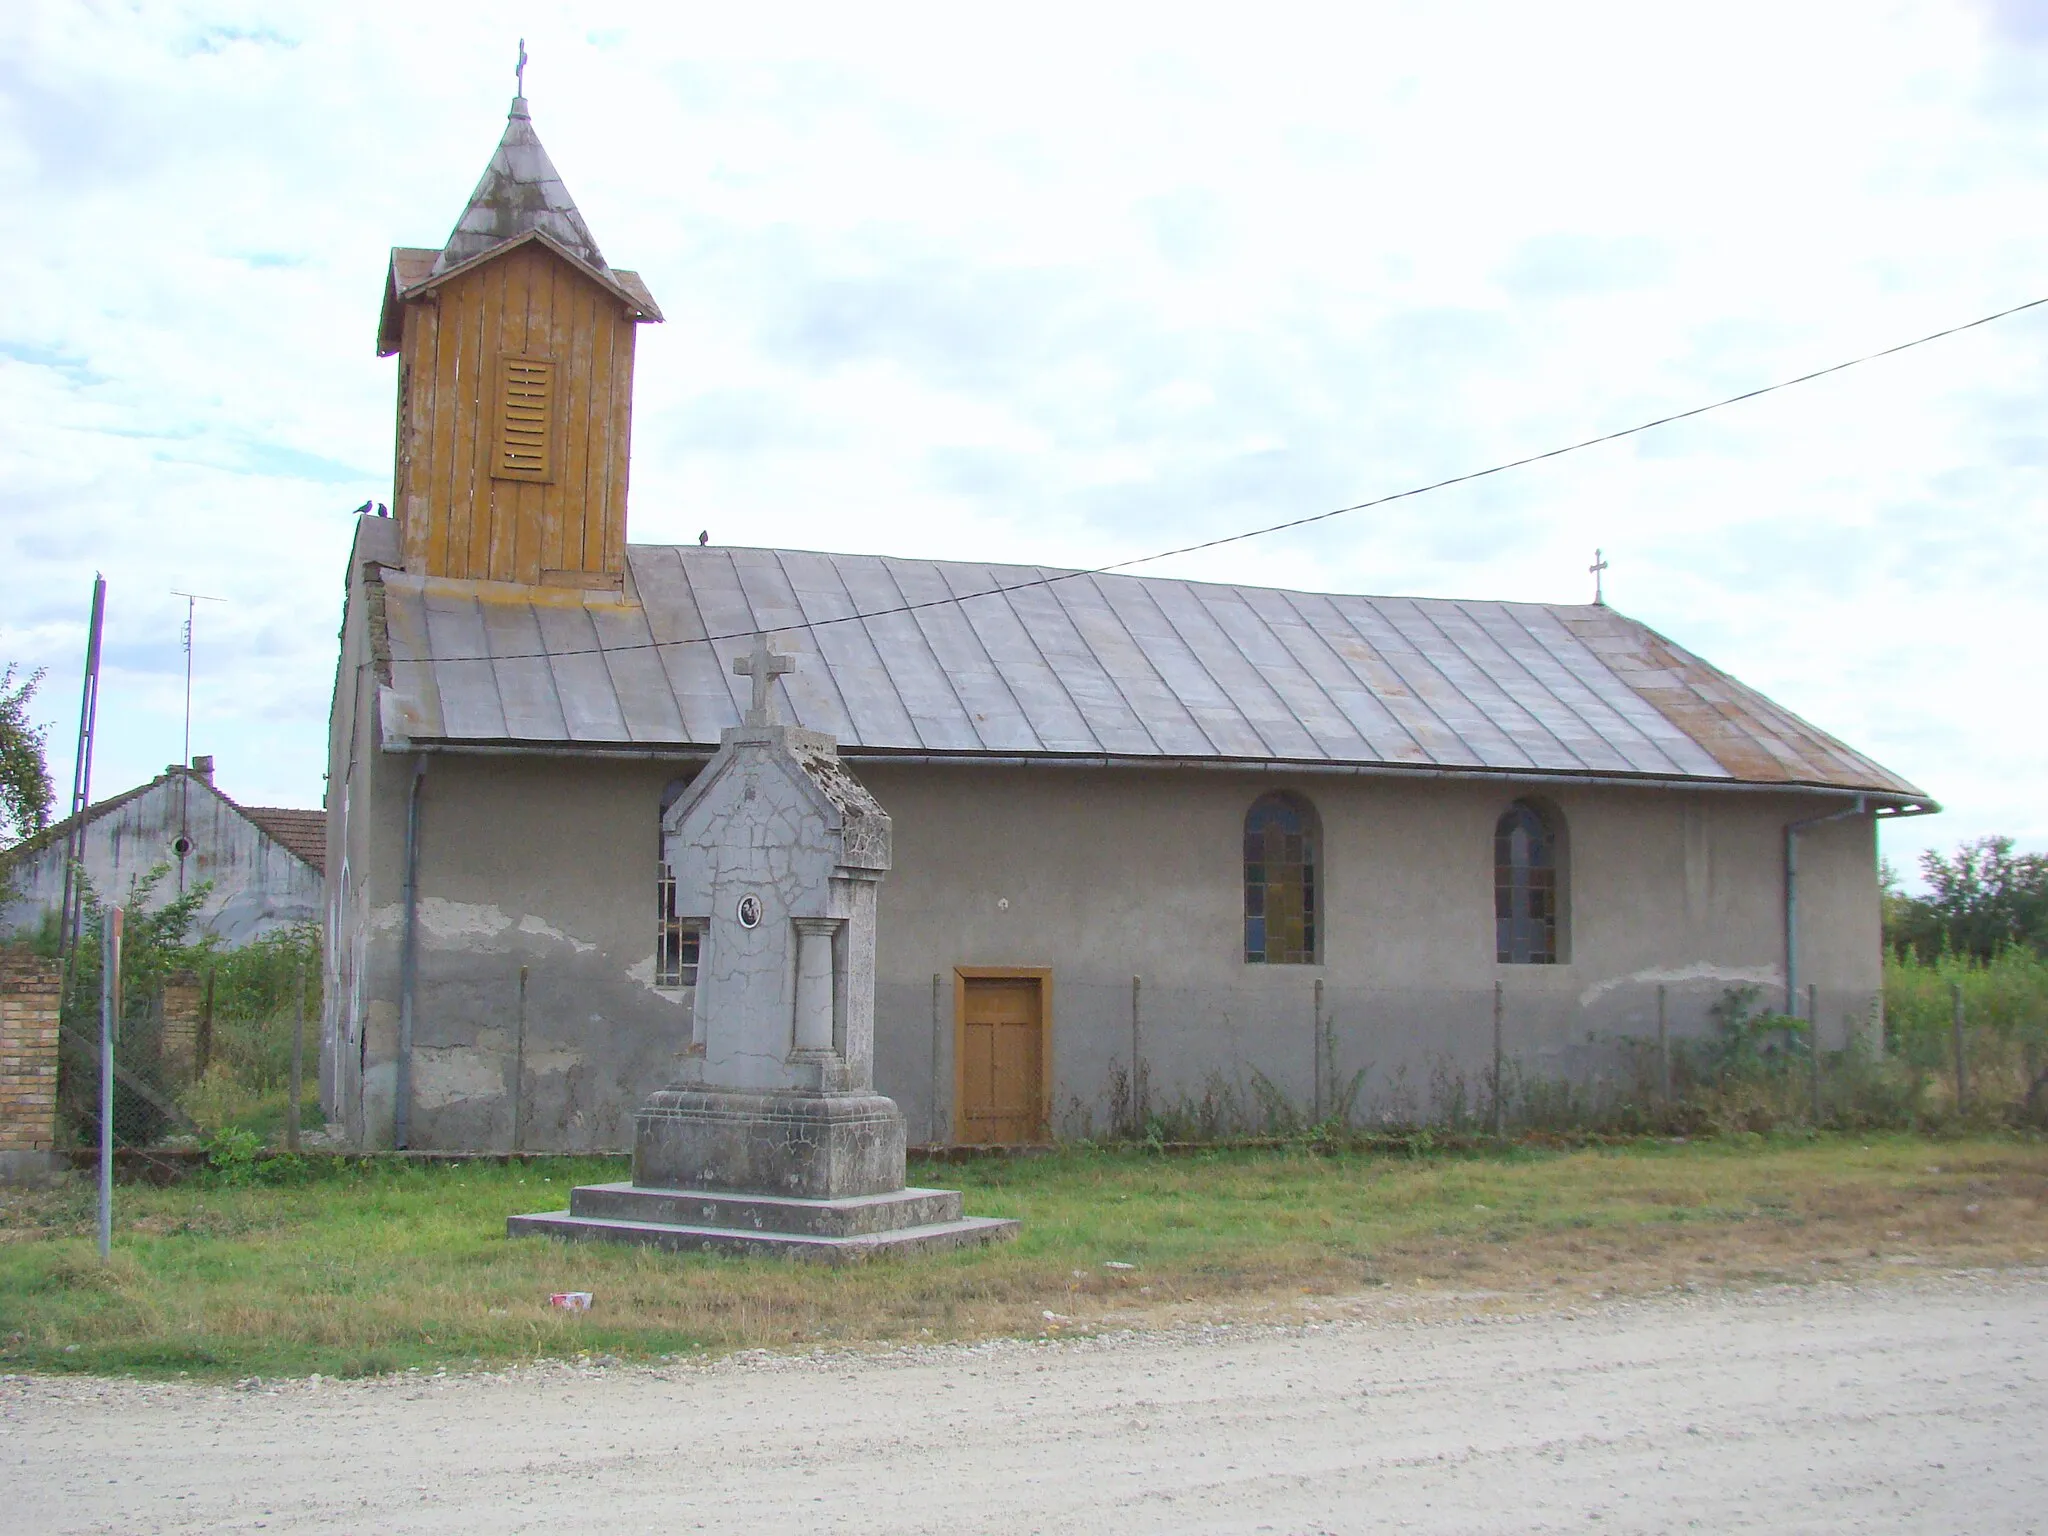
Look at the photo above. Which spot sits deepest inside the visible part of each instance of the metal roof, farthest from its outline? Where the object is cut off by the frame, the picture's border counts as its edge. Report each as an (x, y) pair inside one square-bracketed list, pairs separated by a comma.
[(1082, 666), (520, 191), (521, 199)]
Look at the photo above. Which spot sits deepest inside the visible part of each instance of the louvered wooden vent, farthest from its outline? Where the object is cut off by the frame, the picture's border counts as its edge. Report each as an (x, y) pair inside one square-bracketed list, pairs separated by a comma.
[(525, 443)]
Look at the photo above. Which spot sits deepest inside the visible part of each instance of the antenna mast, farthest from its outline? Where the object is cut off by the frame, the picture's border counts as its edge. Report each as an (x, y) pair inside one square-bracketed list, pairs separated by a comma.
[(183, 846)]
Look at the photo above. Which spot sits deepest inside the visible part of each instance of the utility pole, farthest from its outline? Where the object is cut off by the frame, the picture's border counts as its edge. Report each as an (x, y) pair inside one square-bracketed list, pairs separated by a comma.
[(70, 919)]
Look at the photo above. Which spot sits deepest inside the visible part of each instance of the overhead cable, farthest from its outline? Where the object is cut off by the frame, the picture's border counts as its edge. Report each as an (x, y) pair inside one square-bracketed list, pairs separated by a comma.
[(1281, 527)]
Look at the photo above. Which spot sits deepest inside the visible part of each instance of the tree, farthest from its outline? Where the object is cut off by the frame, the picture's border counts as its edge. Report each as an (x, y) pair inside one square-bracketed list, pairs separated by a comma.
[(1980, 900), (25, 791)]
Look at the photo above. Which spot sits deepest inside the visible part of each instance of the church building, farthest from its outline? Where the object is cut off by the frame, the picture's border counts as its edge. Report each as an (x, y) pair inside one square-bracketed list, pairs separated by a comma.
[(1157, 844)]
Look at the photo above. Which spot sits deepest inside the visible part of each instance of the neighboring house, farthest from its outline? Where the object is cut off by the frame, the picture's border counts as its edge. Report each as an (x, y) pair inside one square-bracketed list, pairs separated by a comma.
[(262, 864), (1151, 837)]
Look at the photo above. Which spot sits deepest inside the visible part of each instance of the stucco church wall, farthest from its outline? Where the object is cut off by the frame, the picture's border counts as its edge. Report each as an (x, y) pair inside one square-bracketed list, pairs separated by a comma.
[(1107, 874), (522, 865), (1103, 876)]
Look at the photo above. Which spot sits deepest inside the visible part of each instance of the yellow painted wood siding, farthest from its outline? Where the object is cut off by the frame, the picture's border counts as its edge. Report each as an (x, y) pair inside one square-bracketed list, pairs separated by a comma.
[(460, 514)]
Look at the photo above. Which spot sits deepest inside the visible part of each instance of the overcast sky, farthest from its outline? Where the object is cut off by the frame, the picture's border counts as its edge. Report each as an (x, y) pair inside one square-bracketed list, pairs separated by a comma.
[(1067, 285)]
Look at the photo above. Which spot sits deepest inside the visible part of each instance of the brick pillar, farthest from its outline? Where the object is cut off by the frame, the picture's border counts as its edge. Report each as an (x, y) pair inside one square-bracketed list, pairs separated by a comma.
[(181, 1026), (31, 990)]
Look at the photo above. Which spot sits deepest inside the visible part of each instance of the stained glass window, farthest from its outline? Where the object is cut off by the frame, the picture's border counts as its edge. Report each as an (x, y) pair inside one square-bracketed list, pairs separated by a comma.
[(1281, 901), (1524, 887)]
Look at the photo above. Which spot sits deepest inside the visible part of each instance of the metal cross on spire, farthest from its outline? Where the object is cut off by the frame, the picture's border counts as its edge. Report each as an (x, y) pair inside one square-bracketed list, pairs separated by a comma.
[(763, 666), (519, 72), (1597, 569)]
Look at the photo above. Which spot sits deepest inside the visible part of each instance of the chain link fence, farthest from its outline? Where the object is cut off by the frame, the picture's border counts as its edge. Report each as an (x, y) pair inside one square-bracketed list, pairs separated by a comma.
[(1684, 1056), (203, 1039)]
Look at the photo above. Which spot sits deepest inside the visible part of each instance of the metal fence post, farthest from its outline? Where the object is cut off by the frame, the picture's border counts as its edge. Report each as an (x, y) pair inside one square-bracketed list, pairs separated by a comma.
[(1316, 1047), (1499, 1009), (110, 991), (519, 1070), (1664, 1043), (1813, 1043), (1140, 1111), (1955, 989), (932, 1132), (202, 1045), (291, 1108)]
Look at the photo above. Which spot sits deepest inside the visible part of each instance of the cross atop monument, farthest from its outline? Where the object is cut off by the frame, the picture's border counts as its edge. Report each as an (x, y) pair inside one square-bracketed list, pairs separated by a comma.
[(1597, 570), (763, 666)]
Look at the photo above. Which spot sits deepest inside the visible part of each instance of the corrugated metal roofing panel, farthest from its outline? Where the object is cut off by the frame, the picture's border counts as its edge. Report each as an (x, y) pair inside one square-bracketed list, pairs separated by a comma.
[(465, 679), (1048, 708), (903, 698), (992, 713), (933, 656), (647, 703), (525, 674)]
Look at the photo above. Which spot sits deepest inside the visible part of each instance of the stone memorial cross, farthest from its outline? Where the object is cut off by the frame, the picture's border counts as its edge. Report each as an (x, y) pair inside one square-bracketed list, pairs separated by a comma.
[(763, 666), (771, 1137)]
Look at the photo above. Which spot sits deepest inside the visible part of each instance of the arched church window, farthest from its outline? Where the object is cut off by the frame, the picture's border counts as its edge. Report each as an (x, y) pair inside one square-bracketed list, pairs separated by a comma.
[(676, 941), (1282, 895), (1526, 890)]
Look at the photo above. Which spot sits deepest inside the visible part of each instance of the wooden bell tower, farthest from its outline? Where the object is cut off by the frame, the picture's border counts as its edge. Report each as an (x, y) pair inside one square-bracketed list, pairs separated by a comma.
[(515, 385)]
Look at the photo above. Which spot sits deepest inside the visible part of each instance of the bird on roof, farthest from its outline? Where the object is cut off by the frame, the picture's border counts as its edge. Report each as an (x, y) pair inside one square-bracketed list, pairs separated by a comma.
[(704, 538), (363, 510)]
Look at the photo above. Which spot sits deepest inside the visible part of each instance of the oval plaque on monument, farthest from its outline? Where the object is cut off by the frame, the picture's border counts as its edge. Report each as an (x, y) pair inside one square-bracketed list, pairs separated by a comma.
[(749, 912)]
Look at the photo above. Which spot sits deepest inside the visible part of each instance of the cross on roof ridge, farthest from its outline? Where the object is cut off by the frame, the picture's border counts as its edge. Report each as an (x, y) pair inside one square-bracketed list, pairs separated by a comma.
[(763, 666)]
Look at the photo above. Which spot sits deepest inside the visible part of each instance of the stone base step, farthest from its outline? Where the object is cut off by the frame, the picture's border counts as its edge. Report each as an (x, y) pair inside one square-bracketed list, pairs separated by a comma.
[(930, 1237), (853, 1216)]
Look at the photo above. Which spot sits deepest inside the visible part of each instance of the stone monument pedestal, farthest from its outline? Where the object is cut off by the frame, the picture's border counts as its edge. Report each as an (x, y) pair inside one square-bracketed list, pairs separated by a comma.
[(774, 1140), (844, 1231), (805, 1176)]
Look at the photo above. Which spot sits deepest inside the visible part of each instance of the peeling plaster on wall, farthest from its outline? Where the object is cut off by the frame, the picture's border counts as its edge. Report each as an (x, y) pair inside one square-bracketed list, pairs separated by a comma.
[(444, 1075), (457, 924), (1762, 976), (454, 921), (546, 1063), (644, 974), (533, 925)]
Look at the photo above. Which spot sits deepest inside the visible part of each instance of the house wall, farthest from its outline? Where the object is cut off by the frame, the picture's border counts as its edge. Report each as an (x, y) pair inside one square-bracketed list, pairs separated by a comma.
[(1107, 874), (257, 883)]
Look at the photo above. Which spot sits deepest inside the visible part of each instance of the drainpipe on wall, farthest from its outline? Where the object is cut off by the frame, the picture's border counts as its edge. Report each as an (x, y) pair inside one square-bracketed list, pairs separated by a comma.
[(408, 961), (1792, 831)]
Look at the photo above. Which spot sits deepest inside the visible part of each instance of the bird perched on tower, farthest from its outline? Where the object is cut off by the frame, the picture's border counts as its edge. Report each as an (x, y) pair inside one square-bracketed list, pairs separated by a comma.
[(704, 538)]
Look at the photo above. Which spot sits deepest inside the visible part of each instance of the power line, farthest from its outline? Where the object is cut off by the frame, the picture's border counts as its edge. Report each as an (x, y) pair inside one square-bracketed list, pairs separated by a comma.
[(1282, 527)]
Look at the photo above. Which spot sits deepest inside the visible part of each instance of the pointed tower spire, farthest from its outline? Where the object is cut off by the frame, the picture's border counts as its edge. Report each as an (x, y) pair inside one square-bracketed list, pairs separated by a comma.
[(521, 193), (515, 386)]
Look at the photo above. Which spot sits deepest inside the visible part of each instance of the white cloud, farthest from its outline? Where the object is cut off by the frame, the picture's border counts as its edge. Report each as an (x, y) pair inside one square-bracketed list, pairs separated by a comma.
[(1066, 285)]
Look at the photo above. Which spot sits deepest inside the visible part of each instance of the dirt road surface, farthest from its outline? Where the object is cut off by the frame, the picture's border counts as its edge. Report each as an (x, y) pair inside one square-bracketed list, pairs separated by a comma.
[(1881, 1408)]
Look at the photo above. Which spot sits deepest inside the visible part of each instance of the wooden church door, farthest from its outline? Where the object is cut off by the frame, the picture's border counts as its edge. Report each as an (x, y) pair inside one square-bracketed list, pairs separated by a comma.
[(1002, 1056)]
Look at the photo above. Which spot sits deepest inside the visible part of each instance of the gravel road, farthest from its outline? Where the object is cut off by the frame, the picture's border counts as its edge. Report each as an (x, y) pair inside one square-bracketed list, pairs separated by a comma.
[(1896, 1408)]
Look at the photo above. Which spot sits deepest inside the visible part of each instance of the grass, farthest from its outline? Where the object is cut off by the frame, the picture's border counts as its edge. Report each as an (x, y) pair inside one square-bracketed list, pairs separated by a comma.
[(385, 1267)]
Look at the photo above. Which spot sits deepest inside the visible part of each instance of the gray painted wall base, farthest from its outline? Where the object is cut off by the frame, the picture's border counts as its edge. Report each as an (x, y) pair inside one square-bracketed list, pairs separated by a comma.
[(902, 1221)]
